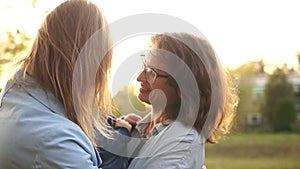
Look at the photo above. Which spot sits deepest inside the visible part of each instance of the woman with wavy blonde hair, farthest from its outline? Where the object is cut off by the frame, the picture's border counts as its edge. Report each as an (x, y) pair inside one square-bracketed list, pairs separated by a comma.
[(193, 101), (48, 111)]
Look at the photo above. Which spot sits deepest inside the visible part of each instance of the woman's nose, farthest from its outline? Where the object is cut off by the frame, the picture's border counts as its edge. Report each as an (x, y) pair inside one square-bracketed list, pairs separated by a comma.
[(141, 77)]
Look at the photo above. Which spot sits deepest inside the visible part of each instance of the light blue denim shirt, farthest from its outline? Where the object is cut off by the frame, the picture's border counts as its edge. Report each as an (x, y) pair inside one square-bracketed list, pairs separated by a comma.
[(171, 146), (35, 132)]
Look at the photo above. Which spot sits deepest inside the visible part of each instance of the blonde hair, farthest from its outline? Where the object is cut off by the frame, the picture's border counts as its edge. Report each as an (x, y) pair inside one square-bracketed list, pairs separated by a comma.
[(52, 58), (200, 58)]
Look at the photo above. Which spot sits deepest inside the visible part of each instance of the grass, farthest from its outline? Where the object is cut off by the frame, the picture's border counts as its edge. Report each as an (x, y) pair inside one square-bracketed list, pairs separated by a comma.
[(255, 151)]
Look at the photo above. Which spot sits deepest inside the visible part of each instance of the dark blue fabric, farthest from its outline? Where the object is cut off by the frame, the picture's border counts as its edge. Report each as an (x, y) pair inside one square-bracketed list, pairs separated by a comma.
[(111, 160)]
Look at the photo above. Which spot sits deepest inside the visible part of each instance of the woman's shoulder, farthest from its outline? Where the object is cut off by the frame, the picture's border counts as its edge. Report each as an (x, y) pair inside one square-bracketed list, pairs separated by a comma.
[(177, 135), (37, 115), (177, 145), (180, 130), (46, 134)]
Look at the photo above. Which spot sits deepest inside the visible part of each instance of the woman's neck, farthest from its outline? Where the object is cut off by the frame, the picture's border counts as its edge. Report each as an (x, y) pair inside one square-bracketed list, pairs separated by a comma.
[(157, 116)]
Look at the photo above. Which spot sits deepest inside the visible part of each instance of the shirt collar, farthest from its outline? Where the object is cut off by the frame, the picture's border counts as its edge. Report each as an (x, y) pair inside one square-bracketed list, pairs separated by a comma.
[(142, 125), (33, 89)]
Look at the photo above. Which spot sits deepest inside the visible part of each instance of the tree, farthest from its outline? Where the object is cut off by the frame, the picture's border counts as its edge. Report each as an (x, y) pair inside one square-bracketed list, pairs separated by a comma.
[(11, 48), (298, 58), (276, 93), (15, 43), (284, 115), (246, 82)]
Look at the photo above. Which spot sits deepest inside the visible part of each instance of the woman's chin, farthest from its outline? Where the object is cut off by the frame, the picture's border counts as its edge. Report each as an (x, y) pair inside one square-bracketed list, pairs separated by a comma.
[(144, 98)]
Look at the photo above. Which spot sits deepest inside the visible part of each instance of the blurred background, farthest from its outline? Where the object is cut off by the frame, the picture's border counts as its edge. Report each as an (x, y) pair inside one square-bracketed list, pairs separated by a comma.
[(258, 41)]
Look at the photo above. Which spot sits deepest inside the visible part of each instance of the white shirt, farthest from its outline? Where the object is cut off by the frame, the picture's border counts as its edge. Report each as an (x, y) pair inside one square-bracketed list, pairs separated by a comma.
[(172, 146)]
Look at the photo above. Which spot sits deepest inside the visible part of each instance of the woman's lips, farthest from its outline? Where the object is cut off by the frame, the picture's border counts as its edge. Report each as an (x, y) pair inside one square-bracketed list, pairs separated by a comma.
[(144, 90)]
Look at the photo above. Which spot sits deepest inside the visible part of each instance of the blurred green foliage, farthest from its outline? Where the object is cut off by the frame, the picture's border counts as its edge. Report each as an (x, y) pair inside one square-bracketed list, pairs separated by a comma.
[(284, 115), (279, 109), (127, 102), (17, 42), (246, 82), (11, 49)]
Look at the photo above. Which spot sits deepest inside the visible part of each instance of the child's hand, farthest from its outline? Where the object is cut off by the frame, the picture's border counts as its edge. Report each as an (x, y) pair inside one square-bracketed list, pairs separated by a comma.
[(123, 123), (132, 118)]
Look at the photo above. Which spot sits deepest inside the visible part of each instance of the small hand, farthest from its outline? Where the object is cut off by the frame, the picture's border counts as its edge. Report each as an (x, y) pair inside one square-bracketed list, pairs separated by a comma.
[(132, 118), (123, 123)]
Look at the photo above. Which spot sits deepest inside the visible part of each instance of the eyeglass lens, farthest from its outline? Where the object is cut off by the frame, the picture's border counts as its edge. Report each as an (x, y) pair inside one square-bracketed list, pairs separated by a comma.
[(150, 75)]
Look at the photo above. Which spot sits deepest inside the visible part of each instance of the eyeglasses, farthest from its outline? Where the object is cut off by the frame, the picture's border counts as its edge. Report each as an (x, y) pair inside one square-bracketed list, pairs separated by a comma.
[(151, 74)]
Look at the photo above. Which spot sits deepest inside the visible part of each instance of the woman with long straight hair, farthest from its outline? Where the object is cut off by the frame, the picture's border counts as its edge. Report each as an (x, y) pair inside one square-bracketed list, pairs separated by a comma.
[(53, 104)]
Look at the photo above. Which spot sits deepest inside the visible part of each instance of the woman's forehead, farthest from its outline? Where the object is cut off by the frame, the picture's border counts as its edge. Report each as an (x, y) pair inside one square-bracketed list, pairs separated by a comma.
[(160, 58), (167, 62), (154, 62)]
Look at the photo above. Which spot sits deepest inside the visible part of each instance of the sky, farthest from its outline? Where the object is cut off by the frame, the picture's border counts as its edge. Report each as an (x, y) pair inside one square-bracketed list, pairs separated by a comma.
[(238, 30)]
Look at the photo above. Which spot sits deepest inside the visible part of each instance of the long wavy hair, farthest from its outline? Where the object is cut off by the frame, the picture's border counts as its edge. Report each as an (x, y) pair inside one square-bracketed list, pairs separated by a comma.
[(52, 59), (218, 95)]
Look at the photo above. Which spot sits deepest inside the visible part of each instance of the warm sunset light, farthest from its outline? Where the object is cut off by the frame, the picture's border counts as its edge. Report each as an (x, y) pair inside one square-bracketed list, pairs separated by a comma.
[(49, 111), (245, 31), (239, 31)]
